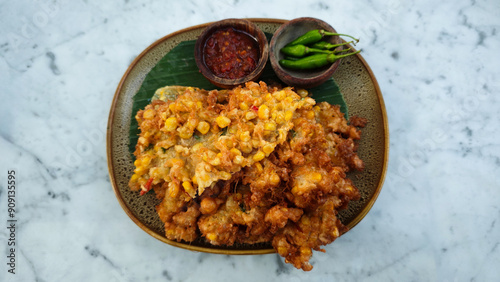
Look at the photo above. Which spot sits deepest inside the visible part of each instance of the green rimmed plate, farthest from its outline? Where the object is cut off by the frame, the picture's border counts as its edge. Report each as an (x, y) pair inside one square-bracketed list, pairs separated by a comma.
[(361, 94)]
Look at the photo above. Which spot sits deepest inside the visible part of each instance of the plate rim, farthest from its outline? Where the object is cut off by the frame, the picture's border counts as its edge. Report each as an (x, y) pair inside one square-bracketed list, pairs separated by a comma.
[(109, 151)]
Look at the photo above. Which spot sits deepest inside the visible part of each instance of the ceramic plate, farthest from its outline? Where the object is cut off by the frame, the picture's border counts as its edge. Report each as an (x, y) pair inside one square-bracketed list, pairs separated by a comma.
[(361, 93)]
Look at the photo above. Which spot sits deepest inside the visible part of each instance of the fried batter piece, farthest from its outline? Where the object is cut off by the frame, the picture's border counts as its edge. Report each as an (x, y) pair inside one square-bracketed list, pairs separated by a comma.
[(248, 165), (315, 228), (235, 222)]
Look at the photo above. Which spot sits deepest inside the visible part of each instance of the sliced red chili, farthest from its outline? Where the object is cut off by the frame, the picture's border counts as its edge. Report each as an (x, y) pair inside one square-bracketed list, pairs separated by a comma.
[(147, 186)]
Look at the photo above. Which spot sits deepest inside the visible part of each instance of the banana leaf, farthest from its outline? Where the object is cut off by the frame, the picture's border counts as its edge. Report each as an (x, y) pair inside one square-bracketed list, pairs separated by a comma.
[(178, 67)]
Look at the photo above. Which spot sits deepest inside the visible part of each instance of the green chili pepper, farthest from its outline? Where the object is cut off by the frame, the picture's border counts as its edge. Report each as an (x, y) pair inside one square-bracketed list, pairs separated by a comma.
[(313, 61), (314, 36), (300, 50), (341, 50), (327, 46)]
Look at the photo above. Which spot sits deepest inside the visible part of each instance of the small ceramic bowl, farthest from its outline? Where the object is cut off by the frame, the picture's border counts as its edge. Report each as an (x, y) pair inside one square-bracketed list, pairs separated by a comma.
[(241, 25), (286, 34)]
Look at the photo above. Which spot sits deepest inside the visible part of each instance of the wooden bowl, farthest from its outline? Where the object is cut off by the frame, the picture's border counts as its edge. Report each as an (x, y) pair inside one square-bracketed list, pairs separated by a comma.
[(240, 25), (286, 34)]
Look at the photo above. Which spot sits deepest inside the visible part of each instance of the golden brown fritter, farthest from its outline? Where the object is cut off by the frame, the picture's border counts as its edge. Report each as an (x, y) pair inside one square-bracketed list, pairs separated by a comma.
[(248, 165), (315, 228)]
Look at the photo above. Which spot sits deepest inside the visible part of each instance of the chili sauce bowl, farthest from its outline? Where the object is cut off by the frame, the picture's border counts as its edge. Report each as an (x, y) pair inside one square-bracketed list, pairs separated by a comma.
[(286, 34), (245, 27)]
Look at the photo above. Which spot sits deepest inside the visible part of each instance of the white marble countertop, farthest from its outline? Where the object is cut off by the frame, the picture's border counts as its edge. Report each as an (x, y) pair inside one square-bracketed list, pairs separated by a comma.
[(436, 219)]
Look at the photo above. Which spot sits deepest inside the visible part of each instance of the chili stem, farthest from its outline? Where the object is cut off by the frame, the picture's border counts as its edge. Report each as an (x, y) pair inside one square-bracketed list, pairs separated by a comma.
[(336, 57), (326, 45), (339, 34)]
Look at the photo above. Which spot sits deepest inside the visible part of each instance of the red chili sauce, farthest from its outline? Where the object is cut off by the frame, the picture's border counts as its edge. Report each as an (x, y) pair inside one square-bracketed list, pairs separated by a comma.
[(230, 53)]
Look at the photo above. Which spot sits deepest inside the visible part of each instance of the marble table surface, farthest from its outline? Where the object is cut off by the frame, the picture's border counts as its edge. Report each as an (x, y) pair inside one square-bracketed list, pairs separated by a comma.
[(436, 219)]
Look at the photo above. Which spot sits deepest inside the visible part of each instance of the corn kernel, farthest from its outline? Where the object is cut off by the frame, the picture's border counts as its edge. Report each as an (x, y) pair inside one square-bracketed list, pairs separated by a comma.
[(250, 115), (148, 114), (193, 123), (283, 250), (280, 118), (255, 143), (188, 187), (263, 112), (134, 178), (194, 179), (259, 156), (288, 115), (302, 93), (215, 161), (208, 205), (305, 251), (335, 232), (222, 121), (203, 127), (274, 179), (174, 162), (197, 147), (229, 143), (305, 221), (211, 236), (246, 147), (171, 124), (140, 170), (268, 149), (316, 109), (280, 95), (172, 107), (268, 97), (235, 152), (173, 190), (310, 115), (185, 134), (309, 101), (146, 160), (316, 176), (245, 136), (143, 141), (225, 175), (199, 105), (243, 106), (238, 159), (270, 126), (137, 163), (179, 107), (259, 167)]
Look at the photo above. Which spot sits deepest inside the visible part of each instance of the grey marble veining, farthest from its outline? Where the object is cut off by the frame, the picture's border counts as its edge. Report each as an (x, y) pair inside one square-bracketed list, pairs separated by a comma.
[(437, 218)]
